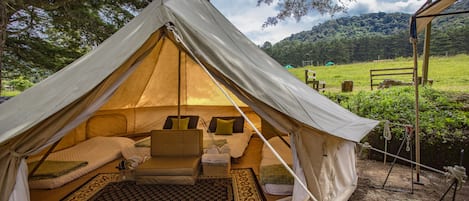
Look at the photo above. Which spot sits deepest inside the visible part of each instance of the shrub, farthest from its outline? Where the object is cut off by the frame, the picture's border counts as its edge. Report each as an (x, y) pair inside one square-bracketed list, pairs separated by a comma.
[(443, 121), (21, 83)]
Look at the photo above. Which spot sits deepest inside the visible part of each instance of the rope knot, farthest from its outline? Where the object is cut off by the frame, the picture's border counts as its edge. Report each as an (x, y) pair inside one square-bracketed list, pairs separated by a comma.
[(387, 131), (366, 145), (175, 32), (15, 154)]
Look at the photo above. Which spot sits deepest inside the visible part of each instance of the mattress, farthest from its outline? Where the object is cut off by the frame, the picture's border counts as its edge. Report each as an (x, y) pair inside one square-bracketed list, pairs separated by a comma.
[(274, 178), (237, 142), (97, 151)]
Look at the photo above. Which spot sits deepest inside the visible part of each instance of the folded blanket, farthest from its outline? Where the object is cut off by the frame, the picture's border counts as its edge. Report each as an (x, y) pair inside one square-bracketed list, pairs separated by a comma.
[(275, 174), (218, 143), (145, 142), (52, 169), (215, 158)]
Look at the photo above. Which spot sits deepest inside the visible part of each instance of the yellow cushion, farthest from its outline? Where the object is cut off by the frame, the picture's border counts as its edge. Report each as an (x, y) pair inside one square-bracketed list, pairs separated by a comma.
[(224, 127), (184, 123)]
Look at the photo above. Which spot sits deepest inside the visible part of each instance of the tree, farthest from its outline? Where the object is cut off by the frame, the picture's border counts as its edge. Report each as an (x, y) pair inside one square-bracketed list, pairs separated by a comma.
[(44, 34), (299, 8)]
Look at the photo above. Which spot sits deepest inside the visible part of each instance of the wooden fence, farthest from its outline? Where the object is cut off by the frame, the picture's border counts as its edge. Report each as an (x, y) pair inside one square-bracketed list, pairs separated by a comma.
[(385, 74)]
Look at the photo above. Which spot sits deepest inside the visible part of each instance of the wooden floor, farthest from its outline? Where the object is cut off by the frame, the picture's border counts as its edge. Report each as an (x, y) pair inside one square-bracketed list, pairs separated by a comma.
[(251, 159)]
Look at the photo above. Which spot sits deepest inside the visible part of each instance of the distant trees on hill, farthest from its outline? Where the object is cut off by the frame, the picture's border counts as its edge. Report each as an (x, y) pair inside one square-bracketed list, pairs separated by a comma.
[(369, 37)]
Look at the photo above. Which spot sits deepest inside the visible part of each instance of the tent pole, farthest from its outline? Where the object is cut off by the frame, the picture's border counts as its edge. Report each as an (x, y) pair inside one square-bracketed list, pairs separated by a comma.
[(416, 84), (426, 53), (179, 88), (43, 158)]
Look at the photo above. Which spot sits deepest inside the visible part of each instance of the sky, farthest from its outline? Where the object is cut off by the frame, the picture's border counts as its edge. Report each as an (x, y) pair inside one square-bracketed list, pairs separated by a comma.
[(248, 17)]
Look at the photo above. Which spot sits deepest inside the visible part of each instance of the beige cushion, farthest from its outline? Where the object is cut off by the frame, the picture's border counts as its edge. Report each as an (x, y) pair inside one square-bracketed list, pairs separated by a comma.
[(176, 143), (169, 166)]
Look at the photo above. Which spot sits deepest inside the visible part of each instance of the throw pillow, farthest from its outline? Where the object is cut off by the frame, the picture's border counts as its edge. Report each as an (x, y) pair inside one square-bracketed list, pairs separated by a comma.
[(224, 127), (184, 123)]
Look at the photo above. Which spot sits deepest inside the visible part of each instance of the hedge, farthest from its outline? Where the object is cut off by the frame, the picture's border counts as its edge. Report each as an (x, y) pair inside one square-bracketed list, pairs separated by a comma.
[(443, 120)]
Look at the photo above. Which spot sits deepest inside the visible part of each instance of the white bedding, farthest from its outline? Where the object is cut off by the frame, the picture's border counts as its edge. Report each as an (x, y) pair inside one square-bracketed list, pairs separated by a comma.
[(268, 159), (237, 142), (97, 151)]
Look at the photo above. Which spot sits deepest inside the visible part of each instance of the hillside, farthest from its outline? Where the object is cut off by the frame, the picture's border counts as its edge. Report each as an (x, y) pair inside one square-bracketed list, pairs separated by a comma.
[(371, 37), (373, 24)]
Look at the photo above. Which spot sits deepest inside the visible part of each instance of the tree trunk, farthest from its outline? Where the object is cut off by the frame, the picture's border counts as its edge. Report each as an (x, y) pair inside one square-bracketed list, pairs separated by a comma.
[(3, 36)]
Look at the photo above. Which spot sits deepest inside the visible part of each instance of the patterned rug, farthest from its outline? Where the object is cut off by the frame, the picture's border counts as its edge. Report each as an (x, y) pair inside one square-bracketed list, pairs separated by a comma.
[(242, 185)]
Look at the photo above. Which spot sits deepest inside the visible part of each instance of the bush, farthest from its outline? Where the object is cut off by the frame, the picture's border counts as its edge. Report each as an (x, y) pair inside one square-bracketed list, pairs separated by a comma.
[(21, 83), (444, 123)]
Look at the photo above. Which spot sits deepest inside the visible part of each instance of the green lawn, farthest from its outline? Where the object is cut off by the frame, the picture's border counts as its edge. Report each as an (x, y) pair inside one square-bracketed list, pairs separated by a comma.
[(448, 73)]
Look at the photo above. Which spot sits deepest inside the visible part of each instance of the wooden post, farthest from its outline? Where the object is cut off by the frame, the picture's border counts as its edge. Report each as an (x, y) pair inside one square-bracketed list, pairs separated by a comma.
[(417, 137), (426, 53), (347, 86), (179, 89)]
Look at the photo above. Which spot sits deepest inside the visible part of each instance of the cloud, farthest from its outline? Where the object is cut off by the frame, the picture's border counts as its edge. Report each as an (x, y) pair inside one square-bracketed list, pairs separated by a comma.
[(248, 17)]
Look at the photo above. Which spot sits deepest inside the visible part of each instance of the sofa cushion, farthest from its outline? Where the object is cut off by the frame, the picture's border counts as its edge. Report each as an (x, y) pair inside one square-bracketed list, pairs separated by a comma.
[(176, 143), (169, 166)]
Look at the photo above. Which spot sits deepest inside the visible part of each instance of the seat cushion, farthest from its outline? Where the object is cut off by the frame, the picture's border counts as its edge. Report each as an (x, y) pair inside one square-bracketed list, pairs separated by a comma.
[(169, 166)]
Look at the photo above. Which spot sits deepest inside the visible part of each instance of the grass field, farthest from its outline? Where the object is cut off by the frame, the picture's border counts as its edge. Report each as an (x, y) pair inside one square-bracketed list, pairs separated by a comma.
[(448, 73)]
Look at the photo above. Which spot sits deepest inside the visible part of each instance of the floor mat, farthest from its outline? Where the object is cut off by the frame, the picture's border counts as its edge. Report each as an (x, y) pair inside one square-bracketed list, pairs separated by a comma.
[(242, 185)]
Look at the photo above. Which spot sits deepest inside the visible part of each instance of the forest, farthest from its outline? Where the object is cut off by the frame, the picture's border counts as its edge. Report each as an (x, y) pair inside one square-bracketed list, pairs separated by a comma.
[(369, 37)]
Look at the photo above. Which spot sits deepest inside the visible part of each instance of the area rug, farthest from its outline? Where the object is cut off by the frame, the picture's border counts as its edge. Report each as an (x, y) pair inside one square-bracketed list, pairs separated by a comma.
[(242, 185)]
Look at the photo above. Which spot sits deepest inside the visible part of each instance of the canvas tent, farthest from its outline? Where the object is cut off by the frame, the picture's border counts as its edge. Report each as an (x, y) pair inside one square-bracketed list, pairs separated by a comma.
[(134, 75)]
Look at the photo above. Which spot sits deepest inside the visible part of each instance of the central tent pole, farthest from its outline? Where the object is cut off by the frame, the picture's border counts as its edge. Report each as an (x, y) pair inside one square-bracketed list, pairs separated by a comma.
[(179, 89), (289, 169)]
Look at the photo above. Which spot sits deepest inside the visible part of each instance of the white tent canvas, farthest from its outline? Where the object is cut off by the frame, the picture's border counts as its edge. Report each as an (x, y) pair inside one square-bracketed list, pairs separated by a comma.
[(134, 76)]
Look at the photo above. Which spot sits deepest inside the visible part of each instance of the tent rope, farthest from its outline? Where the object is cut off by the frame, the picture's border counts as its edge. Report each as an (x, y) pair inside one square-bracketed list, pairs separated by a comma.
[(367, 145), (15, 154), (387, 131), (171, 28)]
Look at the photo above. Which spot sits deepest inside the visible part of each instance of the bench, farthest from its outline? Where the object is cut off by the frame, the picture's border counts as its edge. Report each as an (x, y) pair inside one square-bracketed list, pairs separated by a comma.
[(310, 78)]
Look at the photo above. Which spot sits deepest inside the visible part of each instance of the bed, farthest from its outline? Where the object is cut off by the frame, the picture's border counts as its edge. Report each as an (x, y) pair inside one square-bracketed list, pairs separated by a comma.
[(234, 143), (90, 154), (274, 177)]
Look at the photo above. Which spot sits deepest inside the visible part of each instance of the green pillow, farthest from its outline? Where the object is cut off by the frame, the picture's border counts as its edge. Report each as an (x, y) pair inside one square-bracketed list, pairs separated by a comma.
[(184, 123), (224, 127)]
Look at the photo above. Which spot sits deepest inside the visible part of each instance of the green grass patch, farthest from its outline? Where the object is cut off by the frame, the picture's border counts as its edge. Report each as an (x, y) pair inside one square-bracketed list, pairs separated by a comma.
[(10, 93), (447, 73)]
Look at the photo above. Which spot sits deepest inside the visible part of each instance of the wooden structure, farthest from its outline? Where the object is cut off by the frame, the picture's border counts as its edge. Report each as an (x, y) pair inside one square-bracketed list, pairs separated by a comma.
[(310, 78), (383, 74), (347, 86)]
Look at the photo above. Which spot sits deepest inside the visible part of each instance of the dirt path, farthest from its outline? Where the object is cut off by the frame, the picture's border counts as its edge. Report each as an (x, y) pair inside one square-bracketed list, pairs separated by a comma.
[(371, 176)]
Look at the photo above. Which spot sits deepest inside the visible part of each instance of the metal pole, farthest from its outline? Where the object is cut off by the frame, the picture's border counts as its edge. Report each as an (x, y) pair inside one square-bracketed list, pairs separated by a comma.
[(394, 161)]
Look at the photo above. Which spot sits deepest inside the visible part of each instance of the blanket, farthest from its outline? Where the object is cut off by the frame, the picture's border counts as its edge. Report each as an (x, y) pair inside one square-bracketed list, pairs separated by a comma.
[(275, 174), (52, 169)]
